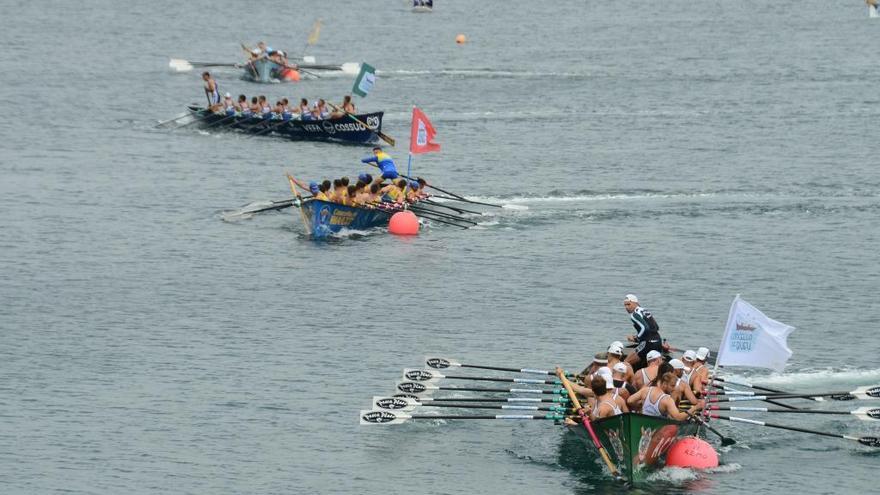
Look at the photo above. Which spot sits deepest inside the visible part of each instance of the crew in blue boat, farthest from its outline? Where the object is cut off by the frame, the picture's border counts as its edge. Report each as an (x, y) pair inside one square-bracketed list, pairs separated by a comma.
[(212, 91), (304, 112), (242, 105), (384, 162), (265, 109), (228, 105)]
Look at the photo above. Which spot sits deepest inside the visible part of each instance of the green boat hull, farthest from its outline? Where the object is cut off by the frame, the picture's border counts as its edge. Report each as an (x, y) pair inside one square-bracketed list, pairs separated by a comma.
[(636, 443)]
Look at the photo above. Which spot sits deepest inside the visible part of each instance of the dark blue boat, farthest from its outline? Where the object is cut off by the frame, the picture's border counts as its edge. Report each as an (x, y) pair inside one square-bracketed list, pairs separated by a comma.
[(342, 129), (324, 219)]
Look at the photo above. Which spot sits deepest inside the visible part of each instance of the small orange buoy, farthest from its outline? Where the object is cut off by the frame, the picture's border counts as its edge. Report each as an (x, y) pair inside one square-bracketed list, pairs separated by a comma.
[(461, 39), (404, 223), (692, 452), (290, 75)]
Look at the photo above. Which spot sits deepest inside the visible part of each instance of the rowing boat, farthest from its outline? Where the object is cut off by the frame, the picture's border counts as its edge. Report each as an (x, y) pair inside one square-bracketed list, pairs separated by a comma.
[(264, 70), (340, 129), (323, 218), (635, 442)]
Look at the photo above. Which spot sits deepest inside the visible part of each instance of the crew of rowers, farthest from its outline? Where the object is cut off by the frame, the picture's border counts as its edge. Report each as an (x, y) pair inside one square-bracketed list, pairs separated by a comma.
[(369, 191), (612, 386), (282, 109)]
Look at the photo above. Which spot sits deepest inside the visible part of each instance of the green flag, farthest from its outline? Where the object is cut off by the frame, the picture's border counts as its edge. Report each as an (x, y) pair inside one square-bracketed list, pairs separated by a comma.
[(365, 80)]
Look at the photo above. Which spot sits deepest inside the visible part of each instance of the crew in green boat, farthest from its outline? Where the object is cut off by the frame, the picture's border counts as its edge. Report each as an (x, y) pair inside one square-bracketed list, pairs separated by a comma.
[(682, 388), (700, 372), (646, 375), (616, 355), (656, 399), (606, 402)]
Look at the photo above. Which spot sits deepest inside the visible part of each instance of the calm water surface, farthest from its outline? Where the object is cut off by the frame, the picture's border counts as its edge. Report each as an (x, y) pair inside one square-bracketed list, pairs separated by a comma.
[(684, 151)]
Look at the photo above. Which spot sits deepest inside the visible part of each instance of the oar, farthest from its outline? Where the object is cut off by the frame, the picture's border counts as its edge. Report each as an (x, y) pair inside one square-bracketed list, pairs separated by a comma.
[(730, 391), (725, 441), (406, 402), (424, 211), (218, 122), (440, 363), (861, 393), (394, 418), (863, 413), (293, 189), (175, 119), (418, 388), (457, 198), (276, 205), (269, 127), (758, 387), (387, 404), (459, 210), (384, 137), (869, 441), (416, 375), (181, 65), (585, 421)]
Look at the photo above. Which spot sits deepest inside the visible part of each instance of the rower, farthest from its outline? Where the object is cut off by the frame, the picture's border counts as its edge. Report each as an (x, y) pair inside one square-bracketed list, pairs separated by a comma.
[(600, 359), (615, 355), (412, 193), (348, 105), (285, 109), (255, 106), (314, 188), (361, 193), (622, 387), (322, 191), (682, 388), (337, 196), (265, 109), (647, 331), (607, 404), (384, 162), (320, 112), (700, 372), (655, 399), (688, 358), (212, 92), (228, 104), (242, 105), (647, 374), (304, 112), (394, 191)]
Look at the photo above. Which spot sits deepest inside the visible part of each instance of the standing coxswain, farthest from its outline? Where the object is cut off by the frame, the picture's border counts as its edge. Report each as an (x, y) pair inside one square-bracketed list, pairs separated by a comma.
[(212, 91), (384, 162), (647, 335)]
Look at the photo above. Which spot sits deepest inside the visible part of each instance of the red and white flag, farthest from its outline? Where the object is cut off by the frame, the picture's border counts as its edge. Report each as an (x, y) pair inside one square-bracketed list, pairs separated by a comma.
[(421, 138)]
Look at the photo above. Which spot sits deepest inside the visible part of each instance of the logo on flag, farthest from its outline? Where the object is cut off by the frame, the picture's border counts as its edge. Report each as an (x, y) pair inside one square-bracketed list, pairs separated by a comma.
[(365, 80), (752, 339), (422, 134)]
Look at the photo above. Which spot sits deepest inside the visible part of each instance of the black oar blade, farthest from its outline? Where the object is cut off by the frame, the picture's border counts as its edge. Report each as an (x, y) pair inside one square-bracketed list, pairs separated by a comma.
[(727, 441), (842, 397), (870, 441)]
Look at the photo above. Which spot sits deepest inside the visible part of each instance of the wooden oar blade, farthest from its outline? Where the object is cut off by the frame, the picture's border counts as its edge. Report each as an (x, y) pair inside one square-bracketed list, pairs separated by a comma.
[(383, 418), (867, 413), (439, 363), (395, 403)]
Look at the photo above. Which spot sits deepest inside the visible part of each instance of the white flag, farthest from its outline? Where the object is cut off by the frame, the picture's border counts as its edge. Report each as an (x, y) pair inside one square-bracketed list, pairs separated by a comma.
[(752, 339)]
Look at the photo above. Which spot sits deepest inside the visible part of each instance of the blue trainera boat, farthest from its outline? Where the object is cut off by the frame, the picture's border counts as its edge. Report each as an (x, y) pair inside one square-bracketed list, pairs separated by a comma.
[(323, 218), (341, 129)]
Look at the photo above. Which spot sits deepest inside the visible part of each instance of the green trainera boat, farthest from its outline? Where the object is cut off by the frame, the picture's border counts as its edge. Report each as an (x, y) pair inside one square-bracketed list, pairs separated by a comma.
[(636, 443)]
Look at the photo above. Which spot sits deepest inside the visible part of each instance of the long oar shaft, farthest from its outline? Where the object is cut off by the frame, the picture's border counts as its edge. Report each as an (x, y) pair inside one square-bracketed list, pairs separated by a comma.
[(768, 410), (869, 441), (585, 422), (406, 388), (440, 363), (427, 375)]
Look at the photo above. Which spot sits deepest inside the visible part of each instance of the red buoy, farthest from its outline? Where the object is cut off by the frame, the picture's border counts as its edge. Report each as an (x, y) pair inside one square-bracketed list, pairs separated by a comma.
[(404, 223), (692, 452), (290, 75)]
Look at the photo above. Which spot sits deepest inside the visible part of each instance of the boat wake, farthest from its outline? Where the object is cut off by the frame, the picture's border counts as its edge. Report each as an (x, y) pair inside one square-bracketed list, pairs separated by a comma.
[(480, 73), (820, 376)]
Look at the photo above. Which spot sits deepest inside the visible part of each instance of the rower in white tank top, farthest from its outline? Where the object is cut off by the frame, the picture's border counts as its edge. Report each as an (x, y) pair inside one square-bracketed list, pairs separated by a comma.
[(652, 408)]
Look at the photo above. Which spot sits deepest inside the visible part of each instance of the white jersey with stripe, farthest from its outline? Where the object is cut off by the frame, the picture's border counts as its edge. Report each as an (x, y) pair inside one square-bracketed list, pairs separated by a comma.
[(652, 408)]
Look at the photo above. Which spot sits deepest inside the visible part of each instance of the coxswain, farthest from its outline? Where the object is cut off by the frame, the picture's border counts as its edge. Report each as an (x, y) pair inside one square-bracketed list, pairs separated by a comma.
[(647, 331), (384, 162), (656, 399), (606, 402), (699, 372), (212, 92), (647, 374)]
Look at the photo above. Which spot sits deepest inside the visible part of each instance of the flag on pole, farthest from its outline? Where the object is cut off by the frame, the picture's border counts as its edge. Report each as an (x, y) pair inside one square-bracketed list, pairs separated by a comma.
[(422, 133), (752, 339), (316, 31), (365, 80)]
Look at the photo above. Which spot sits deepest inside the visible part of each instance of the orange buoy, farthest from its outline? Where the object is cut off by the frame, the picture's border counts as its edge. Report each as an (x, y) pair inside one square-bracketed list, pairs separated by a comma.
[(290, 75), (461, 39), (692, 452), (404, 223)]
